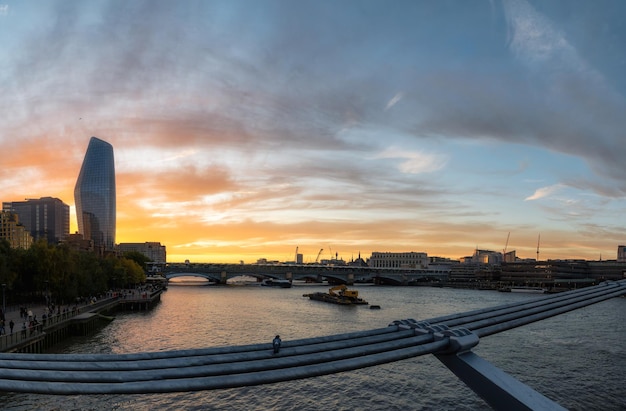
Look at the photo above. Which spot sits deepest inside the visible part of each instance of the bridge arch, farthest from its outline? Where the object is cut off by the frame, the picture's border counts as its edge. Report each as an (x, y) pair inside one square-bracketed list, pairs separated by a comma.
[(208, 276)]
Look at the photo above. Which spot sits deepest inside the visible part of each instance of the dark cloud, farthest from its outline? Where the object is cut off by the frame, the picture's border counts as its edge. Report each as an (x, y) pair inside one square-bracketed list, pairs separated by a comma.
[(309, 93)]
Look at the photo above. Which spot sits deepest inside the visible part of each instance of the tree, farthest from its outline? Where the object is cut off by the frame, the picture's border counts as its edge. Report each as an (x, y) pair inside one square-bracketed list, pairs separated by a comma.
[(138, 257), (7, 264), (134, 273), (59, 272)]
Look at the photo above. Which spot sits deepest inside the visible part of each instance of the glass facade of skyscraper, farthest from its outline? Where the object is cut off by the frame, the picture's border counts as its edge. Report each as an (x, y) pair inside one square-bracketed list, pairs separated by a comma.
[(94, 195)]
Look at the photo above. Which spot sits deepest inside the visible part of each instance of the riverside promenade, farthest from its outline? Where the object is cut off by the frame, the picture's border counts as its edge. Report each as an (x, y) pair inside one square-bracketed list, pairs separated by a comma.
[(76, 319)]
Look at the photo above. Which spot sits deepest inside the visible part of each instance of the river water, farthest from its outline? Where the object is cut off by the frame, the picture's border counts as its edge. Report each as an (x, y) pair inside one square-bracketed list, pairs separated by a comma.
[(577, 359)]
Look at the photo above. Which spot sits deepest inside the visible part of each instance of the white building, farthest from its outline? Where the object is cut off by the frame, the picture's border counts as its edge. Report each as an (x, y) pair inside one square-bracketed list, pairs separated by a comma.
[(487, 257), (398, 260)]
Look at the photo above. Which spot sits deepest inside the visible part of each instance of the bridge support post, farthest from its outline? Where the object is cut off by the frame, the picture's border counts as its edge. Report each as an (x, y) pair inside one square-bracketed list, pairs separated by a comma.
[(223, 277), (497, 388), (350, 279), (500, 390)]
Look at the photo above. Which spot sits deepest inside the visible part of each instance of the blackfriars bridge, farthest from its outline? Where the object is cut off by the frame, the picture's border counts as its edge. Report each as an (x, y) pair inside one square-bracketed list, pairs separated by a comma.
[(343, 274), (450, 338)]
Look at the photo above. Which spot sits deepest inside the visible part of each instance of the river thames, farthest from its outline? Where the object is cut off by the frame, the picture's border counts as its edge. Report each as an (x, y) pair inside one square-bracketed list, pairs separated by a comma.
[(577, 359)]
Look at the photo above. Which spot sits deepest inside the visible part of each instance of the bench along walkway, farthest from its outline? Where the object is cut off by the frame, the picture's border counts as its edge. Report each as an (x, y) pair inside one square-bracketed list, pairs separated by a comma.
[(450, 338)]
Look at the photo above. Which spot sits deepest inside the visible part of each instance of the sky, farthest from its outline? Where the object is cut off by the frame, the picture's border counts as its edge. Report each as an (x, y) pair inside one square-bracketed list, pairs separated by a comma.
[(244, 129)]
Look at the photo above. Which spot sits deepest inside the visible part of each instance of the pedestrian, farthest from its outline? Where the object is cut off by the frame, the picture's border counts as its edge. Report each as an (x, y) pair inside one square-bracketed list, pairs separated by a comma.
[(276, 344), (24, 329), (11, 325)]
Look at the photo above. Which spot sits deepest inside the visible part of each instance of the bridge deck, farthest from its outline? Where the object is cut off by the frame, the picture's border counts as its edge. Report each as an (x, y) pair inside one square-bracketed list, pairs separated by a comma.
[(237, 366)]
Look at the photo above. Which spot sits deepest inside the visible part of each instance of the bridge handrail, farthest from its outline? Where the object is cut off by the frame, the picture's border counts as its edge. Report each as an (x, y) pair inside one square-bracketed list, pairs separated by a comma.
[(228, 367), (30, 333), (546, 300), (526, 312)]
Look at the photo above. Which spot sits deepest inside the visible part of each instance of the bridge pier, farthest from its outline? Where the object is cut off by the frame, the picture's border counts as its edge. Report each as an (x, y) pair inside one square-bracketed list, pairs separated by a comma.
[(223, 277)]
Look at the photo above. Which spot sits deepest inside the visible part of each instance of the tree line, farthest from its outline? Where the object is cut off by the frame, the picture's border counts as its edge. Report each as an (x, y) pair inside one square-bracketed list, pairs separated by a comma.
[(62, 274)]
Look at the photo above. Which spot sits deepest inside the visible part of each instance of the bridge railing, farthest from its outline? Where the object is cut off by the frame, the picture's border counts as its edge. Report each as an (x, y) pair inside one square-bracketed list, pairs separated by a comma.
[(450, 338)]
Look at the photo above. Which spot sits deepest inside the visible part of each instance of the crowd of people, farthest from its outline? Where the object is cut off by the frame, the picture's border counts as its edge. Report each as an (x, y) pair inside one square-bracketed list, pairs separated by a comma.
[(30, 323)]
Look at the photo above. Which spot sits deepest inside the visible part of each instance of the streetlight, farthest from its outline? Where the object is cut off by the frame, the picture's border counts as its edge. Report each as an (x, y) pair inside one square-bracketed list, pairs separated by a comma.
[(4, 306)]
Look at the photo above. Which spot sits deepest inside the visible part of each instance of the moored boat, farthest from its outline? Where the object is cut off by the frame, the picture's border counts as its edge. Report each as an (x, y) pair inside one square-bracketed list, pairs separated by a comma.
[(524, 289), (273, 282), (338, 295)]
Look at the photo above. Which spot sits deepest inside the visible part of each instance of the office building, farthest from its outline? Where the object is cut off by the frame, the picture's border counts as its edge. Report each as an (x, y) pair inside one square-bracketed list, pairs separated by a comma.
[(94, 195), (44, 218), (13, 231), (152, 250)]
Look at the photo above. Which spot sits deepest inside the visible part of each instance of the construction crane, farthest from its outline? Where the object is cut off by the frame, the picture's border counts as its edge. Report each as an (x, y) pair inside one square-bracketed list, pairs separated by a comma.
[(538, 238), (318, 255), (505, 246)]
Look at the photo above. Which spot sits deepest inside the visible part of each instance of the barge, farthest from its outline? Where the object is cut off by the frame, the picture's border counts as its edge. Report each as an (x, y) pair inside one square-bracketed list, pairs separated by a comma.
[(338, 295)]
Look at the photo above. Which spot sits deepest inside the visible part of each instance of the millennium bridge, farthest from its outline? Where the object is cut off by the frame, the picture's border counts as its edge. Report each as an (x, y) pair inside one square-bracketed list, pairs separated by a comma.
[(450, 338), (343, 274)]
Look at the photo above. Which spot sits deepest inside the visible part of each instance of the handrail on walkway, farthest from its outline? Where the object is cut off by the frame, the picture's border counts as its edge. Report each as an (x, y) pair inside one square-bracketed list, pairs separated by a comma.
[(24, 332), (450, 338)]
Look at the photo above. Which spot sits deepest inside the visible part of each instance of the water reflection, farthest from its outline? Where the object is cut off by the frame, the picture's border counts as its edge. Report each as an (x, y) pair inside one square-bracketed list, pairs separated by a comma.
[(576, 359)]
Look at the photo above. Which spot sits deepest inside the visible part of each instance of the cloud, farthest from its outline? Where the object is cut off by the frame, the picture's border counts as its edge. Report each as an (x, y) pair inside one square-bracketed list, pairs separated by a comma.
[(273, 115), (394, 100), (180, 155), (544, 192), (416, 162)]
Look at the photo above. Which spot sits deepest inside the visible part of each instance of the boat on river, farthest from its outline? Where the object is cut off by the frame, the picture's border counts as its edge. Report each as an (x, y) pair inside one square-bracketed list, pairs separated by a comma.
[(523, 289), (273, 282), (338, 295)]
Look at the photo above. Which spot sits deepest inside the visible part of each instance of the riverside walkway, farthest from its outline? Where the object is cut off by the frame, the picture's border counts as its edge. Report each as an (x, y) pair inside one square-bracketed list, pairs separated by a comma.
[(449, 338), (24, 332)]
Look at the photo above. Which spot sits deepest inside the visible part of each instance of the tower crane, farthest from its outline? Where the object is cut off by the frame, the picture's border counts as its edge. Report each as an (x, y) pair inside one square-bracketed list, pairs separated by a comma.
[(538, 238), (505, 246), (318, 255)]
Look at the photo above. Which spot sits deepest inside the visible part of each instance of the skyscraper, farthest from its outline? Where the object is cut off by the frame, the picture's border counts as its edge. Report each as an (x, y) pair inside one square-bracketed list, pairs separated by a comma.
[(94, 195)]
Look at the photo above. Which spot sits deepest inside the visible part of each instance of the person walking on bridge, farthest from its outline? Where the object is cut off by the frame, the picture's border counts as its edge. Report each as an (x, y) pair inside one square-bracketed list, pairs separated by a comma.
[(276, 344)]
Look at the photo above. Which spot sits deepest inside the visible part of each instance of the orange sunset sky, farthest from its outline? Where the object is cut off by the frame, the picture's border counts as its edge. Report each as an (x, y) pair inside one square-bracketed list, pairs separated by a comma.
[(242, 130)]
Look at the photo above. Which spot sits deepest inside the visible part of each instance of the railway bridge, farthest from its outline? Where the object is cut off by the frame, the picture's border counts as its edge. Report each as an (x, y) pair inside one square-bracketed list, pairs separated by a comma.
[(450, 338), (338, 274)]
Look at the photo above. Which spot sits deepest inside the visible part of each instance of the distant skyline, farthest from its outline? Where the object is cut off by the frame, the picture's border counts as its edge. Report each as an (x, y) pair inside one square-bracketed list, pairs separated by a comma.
[(244, 129)]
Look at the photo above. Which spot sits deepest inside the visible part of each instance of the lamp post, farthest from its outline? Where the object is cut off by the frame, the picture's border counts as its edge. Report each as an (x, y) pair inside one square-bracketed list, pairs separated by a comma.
[(4, 306)]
